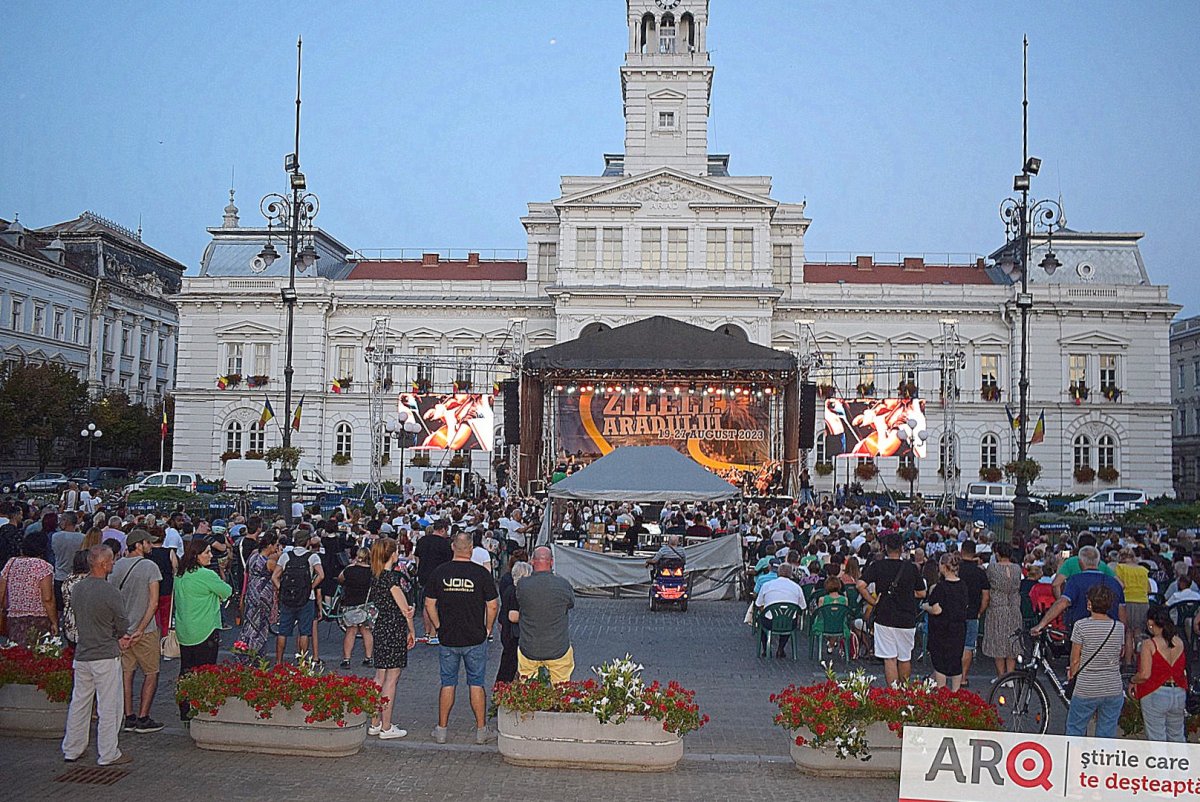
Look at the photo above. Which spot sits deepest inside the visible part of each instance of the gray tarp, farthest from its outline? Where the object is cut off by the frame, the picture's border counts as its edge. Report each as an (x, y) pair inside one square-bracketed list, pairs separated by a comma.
[(644, 473), (713, 567)]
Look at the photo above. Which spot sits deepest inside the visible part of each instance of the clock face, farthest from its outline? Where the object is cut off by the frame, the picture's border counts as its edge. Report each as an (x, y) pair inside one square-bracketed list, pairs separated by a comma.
[(666, 5)]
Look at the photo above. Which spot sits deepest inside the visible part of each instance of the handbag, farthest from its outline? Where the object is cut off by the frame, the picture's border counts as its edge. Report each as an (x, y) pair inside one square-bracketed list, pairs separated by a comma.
[(168, 647), (362, 614), (1069, 688)]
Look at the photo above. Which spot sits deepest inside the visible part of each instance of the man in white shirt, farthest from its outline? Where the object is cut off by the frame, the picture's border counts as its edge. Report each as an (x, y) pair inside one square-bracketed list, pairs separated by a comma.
[(171, 537), (782, 589)]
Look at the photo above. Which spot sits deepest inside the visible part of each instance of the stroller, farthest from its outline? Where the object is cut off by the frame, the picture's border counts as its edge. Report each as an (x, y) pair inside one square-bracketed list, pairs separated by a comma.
[(669, 585)]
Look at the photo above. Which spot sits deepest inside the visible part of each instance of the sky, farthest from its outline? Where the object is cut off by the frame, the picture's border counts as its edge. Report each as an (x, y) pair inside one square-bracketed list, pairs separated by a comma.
[(432, 125)]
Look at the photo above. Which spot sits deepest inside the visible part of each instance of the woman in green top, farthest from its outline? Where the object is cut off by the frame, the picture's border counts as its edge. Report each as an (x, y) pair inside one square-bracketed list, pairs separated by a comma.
[(198, 595)]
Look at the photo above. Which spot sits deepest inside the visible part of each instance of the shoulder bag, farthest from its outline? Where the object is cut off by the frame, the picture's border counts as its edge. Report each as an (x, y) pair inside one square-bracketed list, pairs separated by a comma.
[(1069, 688), (169, 645), (362, 614)]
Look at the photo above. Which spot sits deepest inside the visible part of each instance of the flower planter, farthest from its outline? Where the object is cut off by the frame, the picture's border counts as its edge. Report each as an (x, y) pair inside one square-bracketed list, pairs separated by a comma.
[(824, 762), (237, 728), (579, 740), (26, 712)]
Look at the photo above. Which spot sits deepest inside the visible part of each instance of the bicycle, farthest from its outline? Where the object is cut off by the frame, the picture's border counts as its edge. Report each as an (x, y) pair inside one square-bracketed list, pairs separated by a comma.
[(1020, 695), (332, 609)]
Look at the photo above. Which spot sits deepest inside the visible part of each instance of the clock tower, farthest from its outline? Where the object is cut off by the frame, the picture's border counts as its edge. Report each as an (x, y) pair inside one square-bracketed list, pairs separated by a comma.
[(666, 85)]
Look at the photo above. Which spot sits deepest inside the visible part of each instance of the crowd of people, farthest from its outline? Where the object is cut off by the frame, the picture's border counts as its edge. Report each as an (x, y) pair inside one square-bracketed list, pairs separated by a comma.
[(127, 591)]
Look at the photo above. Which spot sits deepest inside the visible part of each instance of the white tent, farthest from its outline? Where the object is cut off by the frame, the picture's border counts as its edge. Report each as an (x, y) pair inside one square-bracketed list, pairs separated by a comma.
[(645, 473)]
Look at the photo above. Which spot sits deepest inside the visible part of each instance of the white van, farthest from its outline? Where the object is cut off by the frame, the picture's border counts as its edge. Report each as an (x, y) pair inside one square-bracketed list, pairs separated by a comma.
[(176, 480), (1001, 495), (256, 476), (1110, 502)]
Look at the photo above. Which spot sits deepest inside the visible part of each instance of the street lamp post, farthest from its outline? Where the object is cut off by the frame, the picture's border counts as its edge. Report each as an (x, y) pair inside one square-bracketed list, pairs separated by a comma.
[(402, 427), (1023, 220), (294, 214), (91, 434)]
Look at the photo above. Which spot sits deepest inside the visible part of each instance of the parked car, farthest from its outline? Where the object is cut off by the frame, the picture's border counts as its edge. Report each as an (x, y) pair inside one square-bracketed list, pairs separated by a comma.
[(1109, 502), (101, 477), (43, 483), (8, 481), (1001, 495), (176, 480)]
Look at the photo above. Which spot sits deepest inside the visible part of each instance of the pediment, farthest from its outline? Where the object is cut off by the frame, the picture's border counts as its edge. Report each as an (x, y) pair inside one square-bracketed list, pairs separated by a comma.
[(1094, 339), (665, 185), (247, 328), (989, 340), (666, 94), (866, 338), (908, 338), (346, 331)]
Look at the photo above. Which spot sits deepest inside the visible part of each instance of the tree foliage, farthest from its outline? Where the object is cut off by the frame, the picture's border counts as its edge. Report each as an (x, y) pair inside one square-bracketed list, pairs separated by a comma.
[(43, 403)]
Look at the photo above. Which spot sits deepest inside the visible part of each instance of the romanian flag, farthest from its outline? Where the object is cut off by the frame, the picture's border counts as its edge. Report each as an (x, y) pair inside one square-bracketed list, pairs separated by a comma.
[(164, 423), (267, 413), (336, 386), (495, 389), (416, 386), (1039, 430), (1014, 420), (296, 415), (222, 382)]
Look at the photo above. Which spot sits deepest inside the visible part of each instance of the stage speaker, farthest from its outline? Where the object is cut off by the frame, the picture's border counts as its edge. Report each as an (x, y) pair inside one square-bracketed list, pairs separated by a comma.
[(808, 415), (510, 390)]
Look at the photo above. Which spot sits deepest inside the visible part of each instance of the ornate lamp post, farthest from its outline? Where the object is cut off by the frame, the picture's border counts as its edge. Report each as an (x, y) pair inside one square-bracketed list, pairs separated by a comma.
[(294, 215), (1023, 220), (91, 434), (403, 427)]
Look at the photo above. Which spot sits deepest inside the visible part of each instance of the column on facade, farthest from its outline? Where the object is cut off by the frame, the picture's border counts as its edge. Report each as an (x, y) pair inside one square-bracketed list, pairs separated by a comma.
[(96, 349), (117, 332), (169, 352), (136, 332), (152, 354)]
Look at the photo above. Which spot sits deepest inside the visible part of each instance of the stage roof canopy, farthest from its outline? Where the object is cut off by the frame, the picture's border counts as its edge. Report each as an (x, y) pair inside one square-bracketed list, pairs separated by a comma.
[(644, 473), (660, 345)]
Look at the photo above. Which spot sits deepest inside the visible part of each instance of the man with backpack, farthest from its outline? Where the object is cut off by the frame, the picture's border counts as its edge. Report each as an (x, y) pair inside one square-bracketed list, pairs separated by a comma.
[(297, 576), (897, 585)]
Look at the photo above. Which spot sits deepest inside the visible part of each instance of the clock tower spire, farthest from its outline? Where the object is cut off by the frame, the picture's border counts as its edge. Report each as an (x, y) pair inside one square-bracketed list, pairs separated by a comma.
[(666, 86)]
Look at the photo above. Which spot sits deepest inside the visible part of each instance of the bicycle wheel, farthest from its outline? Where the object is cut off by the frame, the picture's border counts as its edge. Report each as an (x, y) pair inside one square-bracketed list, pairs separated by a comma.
[(1021, 702)]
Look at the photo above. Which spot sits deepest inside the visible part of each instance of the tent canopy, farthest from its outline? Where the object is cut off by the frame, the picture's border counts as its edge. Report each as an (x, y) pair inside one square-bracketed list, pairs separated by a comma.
[(659, 344), (644, 473)]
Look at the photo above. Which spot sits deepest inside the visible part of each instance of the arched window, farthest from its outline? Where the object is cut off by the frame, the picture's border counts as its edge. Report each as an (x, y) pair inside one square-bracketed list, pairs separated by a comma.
[(593, 328), (1106, 451), (1081, 449), (733, 330), (343, 439), (666, 34), (233, 436), (646, 33), (687, 31), (989, 451), (820, 450), (258, 438)]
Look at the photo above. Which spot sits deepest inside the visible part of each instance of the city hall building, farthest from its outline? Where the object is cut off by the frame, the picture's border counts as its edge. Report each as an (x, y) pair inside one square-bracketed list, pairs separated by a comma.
[(665, 228)]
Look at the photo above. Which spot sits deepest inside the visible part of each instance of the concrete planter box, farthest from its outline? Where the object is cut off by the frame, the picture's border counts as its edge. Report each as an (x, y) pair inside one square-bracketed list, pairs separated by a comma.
[(25, 711), (237, 728), (578, 740), (884, 762)]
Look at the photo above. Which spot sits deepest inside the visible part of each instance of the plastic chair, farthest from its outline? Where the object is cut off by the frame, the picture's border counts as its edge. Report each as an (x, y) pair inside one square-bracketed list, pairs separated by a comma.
[(778, 619), (830, 621), (811, 593), (854, 601), (1183, 614)]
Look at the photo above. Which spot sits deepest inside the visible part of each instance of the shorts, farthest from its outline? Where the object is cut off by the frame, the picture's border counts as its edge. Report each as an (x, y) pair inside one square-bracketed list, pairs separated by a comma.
[(473, 657), (560, 668), (145, 654), (302, 618), (972, 639), (893, 643)]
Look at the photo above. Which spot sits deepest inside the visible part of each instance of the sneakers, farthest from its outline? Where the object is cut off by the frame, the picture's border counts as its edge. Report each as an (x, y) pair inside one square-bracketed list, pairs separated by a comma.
[(121, 761), (368, 662), (392, 732), (483, 735), (373, 729), (130, 723), (439, 735), (146, 724), (433, 641), (345, 662)]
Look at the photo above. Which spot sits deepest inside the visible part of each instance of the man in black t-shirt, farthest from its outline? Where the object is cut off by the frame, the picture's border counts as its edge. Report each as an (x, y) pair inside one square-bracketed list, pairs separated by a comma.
[(898, 585), (432, 550), (979, 595), (461, 601)]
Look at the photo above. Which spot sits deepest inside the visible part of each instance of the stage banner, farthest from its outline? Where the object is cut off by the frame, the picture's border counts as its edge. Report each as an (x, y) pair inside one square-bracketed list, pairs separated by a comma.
[(939, 765), (718, 431), (453, 421), (875, 427)]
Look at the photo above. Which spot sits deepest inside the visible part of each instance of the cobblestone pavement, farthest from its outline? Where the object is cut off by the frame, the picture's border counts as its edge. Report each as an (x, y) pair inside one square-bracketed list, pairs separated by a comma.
[(707, 649)]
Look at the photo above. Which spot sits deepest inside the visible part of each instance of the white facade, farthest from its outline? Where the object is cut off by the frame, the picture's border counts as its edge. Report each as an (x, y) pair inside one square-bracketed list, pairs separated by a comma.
[(665, 230)]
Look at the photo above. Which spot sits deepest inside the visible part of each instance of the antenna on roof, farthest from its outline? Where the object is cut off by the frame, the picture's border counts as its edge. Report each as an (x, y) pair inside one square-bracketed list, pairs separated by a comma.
[(139, 231)]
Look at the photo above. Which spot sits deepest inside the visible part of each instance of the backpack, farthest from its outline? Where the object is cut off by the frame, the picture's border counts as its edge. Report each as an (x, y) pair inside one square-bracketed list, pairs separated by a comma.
[(296, 583), (10, 543)]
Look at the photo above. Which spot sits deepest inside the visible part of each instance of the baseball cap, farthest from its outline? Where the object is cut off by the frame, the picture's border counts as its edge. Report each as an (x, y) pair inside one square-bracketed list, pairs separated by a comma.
[(219, 526), (136, 537)]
